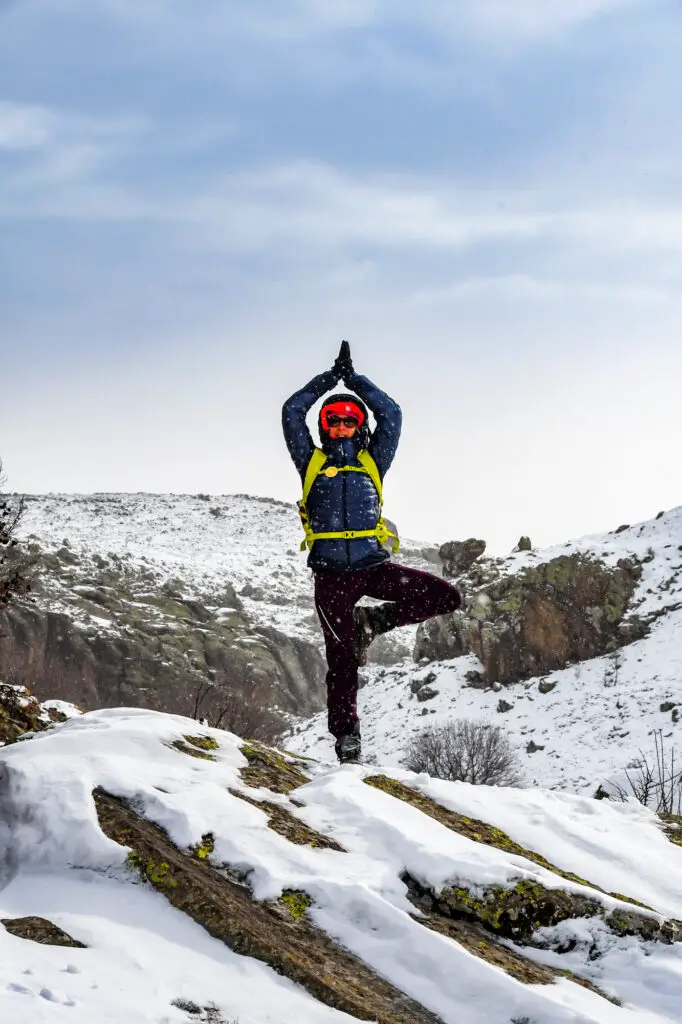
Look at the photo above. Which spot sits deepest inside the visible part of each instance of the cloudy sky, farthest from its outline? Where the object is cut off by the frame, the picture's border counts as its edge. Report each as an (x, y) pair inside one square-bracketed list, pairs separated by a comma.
[(199, 200)]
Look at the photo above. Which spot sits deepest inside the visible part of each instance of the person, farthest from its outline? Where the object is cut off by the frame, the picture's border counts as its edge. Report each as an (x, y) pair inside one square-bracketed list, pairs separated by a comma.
[(341, 514)]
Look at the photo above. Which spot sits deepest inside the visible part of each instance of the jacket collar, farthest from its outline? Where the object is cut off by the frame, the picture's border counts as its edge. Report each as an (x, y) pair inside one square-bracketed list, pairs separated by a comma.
[(340, 450)]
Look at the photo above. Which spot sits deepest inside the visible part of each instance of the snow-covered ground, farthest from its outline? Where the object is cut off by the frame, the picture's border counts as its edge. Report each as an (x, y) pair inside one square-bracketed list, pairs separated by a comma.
[(600, 712), (142, 954)]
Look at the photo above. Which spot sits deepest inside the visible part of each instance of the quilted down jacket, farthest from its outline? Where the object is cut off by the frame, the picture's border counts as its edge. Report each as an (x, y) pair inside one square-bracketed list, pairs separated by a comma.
[(347, 501)]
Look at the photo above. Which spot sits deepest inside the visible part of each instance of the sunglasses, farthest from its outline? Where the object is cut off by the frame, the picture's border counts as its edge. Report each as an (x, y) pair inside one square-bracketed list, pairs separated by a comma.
[(336, 421)]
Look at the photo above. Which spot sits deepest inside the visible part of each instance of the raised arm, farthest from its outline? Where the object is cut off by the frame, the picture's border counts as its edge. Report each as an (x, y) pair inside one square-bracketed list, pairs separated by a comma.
[(296, 433), (387, 414)]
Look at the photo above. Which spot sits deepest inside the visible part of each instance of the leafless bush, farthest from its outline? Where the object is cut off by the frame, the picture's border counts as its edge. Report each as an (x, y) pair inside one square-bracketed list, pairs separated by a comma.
[(655, 780), (13, 566), (465, 751), (225, 706)]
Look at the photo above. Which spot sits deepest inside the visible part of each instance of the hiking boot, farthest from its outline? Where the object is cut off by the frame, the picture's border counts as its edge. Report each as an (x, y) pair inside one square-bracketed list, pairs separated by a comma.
[(371, 621), (349, 747)]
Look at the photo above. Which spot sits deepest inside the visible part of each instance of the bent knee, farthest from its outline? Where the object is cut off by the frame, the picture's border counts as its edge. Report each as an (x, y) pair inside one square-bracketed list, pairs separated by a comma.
[(453, 599)]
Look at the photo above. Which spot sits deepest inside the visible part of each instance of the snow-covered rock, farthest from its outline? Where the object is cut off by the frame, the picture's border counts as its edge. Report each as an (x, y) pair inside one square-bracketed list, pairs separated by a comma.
[(146, 960)]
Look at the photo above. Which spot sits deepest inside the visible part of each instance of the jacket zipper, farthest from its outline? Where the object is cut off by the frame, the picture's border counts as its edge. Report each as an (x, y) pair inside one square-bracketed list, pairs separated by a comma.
[(345, 517)]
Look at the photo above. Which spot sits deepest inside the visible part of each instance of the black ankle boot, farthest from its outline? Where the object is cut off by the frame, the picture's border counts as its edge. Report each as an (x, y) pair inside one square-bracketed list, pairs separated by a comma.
[(349, 747), (370, 622)]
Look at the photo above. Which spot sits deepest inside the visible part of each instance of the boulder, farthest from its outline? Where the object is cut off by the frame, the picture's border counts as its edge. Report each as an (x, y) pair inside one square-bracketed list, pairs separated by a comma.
[(541, 619), (458, 556), (440, 638), (426, 693)]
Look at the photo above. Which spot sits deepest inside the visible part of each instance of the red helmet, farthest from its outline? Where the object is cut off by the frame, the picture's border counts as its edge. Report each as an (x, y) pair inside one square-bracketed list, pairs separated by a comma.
[(342, 408)]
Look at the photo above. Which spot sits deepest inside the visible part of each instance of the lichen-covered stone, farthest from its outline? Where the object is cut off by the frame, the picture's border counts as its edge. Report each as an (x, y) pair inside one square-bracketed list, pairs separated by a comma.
[(282, 821), (37, 929), (279, 933), (543, 618), (672, 827), (296, 902), (518, 912), (483, 943), (187, 745), (479, 831), (271, 768)]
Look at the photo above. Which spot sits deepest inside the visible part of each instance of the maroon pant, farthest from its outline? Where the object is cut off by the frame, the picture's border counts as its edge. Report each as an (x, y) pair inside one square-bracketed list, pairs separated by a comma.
[(418, 595)]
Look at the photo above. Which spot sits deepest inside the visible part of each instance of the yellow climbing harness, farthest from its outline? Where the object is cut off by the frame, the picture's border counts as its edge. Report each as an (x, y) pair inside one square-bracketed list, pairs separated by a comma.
[(315, 469)]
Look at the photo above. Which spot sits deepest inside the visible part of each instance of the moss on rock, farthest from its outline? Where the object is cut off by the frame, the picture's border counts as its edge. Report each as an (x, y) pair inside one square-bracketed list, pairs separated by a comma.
[(203, 742), (296, 902), (196, 746), (271, 769), (282, 821), (278, 933), (672, 827), (158, 872), (540, 619), (479, 940), (518, 912), (479, 831), (205, 848)]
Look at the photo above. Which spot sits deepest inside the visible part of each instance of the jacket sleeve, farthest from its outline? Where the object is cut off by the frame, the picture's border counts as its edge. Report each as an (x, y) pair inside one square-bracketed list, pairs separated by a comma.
[(388, 416), (296, 433)]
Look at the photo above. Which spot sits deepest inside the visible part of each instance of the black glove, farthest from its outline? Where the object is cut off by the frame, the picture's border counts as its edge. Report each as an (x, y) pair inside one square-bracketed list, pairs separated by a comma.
[(343, 367)]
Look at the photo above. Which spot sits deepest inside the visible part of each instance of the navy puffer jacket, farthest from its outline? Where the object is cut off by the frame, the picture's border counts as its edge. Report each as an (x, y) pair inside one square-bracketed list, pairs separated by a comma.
[(347, 501)]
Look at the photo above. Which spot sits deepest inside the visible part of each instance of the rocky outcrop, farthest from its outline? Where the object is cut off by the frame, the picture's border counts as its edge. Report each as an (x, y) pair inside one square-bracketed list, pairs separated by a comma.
[(154, 651), (459, 555), (21, 713), (516, 913), (543, 618), (279, 933), (284, 935)]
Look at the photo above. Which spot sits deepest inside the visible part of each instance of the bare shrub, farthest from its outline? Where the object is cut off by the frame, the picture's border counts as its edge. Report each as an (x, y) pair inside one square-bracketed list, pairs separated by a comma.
[(14, 567), (225, 706), (654, 779), (465, 751)]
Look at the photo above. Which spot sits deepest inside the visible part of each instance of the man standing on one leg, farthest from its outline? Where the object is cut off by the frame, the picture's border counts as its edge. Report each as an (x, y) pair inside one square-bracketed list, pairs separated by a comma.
[(341, 511)]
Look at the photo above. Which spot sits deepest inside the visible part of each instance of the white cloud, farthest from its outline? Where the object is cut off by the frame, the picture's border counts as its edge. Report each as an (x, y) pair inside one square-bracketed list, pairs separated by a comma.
[(24, 127), (520, 19), (308, 207), (313, 205), (62, 153), (527, 288), (272, 21)]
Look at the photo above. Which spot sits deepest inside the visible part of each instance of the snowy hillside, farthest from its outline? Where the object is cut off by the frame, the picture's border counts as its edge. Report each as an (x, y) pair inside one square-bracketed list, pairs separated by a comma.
[(201, 541), (597, 714), (142, 959), (592, 723)]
